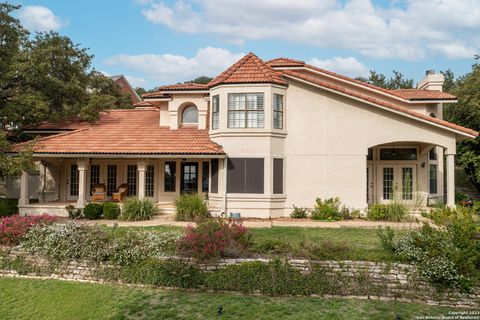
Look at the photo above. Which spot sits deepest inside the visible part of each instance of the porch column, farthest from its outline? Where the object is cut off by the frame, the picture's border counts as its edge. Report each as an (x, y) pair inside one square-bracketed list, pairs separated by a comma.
[(82, 168), (450, 164), (141, 179), (23, 200)]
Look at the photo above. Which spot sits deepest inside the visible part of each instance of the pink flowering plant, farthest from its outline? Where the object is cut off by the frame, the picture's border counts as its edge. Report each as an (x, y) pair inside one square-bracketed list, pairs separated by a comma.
[(213, 239), (13, 228)]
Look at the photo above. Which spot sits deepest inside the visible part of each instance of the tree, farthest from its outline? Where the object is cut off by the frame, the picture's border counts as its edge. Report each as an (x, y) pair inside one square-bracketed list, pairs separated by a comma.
[(200, 80), (450, 83), (467, 113), (140, 91), (397, 81)]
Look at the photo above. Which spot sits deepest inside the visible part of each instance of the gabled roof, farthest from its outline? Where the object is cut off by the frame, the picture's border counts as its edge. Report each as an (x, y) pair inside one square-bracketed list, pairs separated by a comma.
[(285, 62), (249, 69), (382, 103), (129, 132), (160, 91)]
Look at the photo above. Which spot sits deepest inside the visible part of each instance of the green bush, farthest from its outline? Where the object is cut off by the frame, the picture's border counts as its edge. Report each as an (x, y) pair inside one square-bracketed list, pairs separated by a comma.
[(387, 212), (326, 210), (135, 209), (73, 213), (111, 210), (191, 207), (93, 211), (299, 213), (476, 207), (445, 215), (8, 207)]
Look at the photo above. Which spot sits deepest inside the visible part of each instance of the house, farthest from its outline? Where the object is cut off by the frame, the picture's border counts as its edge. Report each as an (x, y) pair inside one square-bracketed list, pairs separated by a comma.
[(126, 88), (258, 139)]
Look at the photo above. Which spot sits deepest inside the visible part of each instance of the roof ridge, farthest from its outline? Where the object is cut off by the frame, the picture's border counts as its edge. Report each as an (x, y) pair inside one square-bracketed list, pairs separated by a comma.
[(50, 137), (380, 102)]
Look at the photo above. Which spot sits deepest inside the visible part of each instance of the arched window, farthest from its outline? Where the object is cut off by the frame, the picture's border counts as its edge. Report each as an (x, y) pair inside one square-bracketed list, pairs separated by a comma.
[(190, 115)]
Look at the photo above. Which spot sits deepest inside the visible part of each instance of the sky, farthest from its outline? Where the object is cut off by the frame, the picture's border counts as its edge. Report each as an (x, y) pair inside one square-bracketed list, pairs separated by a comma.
[(155, 42)]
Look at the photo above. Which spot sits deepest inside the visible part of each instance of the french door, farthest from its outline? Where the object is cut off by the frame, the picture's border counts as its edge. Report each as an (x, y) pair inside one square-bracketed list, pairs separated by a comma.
[(397, 183), (189, 181), (72, 181)]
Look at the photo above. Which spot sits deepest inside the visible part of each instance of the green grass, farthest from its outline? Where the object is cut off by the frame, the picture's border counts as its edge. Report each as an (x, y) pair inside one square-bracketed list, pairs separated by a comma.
[(53, 299), (311, 243)]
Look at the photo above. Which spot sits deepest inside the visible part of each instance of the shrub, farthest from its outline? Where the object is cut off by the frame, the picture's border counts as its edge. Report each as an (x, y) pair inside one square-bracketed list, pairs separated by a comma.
[(299, 213), (326, 210), (111, 210), (135, 209), (8, 207), (136, 246), (93, 211), (387, 212), (476, 207), (73, 213), (14, 228), (445, 215), (191, 207), (214, 238)]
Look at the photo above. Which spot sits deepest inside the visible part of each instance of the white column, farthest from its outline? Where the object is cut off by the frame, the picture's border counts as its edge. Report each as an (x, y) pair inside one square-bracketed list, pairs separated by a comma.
[(450, 164), (141, 179), (23, 200), (82, 168), (225, 172)]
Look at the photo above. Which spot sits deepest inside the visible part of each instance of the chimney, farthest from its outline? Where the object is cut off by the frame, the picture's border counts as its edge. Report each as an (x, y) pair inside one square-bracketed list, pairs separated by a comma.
[(432, 81)]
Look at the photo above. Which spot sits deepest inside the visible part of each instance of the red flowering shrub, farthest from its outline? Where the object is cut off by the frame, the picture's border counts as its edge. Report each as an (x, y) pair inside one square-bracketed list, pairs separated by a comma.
[(13, 228), (214, 239)]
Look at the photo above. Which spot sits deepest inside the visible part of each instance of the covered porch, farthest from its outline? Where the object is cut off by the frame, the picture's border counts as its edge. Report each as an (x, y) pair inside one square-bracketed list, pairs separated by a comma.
[(59, 182)]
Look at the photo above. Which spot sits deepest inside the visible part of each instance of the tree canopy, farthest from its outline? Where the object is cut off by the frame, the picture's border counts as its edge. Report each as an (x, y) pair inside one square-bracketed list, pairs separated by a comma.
[(397, 81)]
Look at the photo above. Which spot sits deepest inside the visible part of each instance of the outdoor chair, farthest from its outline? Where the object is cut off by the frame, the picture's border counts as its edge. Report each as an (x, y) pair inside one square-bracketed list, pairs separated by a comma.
[(99, 192), (121, 193)]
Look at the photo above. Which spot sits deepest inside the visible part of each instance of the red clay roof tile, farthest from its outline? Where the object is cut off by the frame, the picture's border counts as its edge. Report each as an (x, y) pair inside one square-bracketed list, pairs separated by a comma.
[(285, 62), (421, 94)]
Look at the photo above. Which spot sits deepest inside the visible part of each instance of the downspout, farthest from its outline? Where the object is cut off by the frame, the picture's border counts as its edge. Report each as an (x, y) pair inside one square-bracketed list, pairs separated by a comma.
[(225, 164)]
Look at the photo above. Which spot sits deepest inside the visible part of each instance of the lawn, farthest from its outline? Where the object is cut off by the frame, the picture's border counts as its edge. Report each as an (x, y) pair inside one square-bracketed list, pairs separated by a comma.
[(311, 243), (53, 299)]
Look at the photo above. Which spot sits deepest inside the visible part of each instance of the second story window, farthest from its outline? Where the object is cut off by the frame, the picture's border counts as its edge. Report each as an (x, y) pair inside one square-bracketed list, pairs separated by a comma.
[(277, 111), (245, 110), (190, 115), (215, 111)]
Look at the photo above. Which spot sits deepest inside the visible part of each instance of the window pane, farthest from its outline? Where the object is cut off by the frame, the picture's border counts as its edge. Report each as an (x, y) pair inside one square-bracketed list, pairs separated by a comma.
[(111, 179), (132, 180), (387, 183), (407, 183), (245, 175), (149, 181), (278, 111), (215, 111), (370, 154), (190, 115), (432, 155), (245, 110), (277, 176), (94, 176), (398, 154), (433, 179), (214, 178), (74, 180), (170, 176), (205, 175)]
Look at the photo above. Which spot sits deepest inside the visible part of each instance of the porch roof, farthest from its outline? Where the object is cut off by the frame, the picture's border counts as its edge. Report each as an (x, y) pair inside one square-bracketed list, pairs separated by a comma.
[(128, 132)]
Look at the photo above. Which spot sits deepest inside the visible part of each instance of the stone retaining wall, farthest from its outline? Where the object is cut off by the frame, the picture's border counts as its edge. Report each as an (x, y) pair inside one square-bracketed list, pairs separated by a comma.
[(393, 281)]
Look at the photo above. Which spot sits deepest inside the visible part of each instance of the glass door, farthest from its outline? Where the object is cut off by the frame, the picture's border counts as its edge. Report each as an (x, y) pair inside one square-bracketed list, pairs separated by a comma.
[(189, 182), (72, 182), (398, 183)]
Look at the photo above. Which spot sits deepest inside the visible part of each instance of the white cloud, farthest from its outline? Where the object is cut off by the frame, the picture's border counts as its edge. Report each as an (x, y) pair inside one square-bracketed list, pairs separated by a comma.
[(39, 18), (170, 68), (349, 66), (136, 81), (408, 29)]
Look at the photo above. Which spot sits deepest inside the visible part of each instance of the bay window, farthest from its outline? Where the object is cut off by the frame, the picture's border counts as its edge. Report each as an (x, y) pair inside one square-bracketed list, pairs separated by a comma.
[(277, 111), (246, 110)]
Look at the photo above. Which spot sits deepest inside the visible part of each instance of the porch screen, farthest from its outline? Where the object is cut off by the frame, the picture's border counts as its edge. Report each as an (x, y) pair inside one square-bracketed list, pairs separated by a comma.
[(245, 175), (277, 176), (132, 180), (214, 178), (150, 181)]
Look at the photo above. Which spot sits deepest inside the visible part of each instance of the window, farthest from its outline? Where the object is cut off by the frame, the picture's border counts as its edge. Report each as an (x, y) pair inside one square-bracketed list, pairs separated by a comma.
[(149, 181), (190, 115), (433, 179), (214, 178), (245, 175), (370, 154), (215, 111), (277, 111), (132, 180), (205, 175), (111, 179), (432, 155), (277, 176), (74, 180), (398, 154), (94, 176), (245, 110), (407, 183), (387, 183), (170, 176)]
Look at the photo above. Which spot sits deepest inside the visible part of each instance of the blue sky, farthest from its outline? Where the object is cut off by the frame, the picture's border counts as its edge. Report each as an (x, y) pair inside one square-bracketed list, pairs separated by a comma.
[(155, 42)]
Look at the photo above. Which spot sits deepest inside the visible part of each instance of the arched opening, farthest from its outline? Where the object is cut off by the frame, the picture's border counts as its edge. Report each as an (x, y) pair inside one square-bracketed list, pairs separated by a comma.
[(190, 115)]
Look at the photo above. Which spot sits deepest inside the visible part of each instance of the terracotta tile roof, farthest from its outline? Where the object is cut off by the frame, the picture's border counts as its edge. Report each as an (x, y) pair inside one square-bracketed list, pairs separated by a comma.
[(70, 124), (249, 69), (175, 87), (382, 103), (285, 62), (129, 131), (144, 104), (421, 94)]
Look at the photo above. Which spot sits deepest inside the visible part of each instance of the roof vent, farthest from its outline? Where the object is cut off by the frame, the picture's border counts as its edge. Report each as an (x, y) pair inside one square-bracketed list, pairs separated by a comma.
[(429, 72)]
